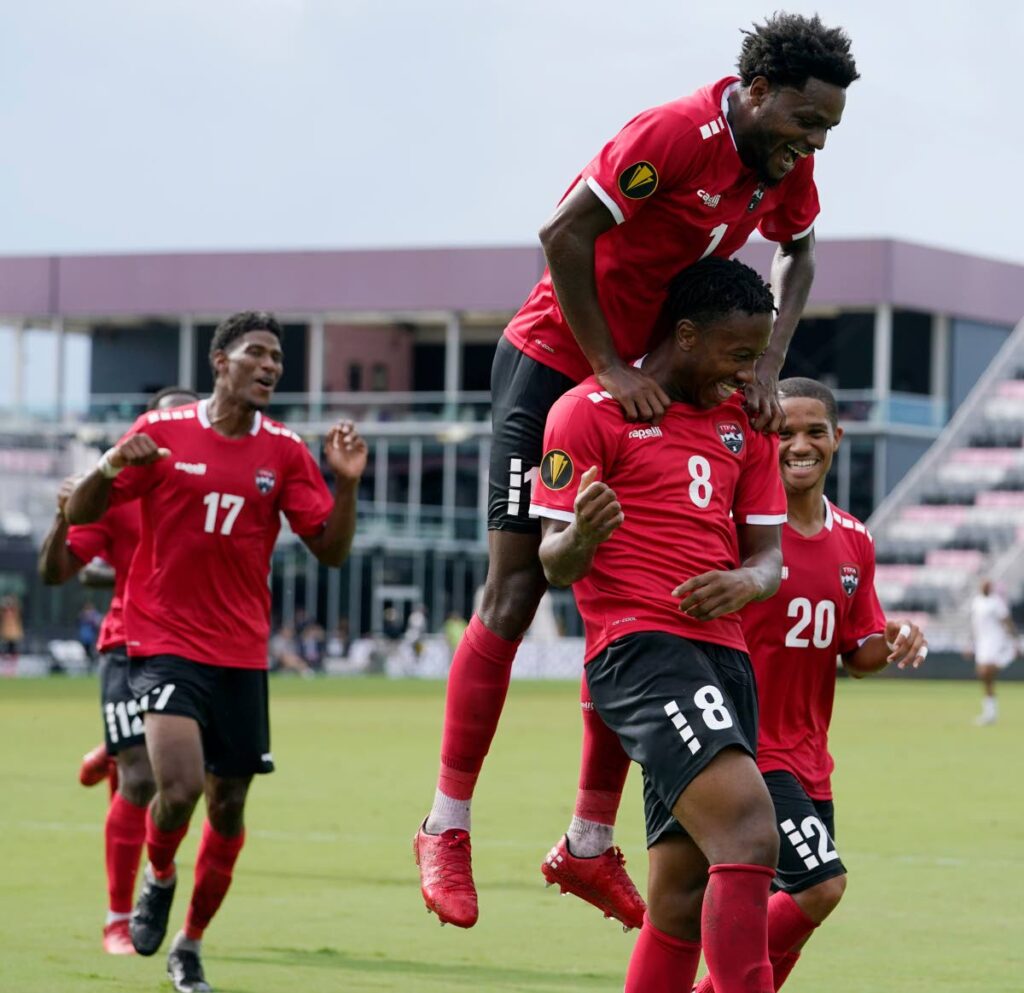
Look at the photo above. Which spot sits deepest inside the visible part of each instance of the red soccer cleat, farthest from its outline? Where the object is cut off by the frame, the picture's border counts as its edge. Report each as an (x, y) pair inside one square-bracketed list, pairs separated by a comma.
[(602, 881), (95, 766), (117, 939), (446, 875)]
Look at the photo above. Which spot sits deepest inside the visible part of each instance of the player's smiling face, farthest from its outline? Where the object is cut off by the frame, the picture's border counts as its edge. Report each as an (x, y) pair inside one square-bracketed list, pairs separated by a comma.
[(807, 443), (252, 366), (715, 361), (790, 124)]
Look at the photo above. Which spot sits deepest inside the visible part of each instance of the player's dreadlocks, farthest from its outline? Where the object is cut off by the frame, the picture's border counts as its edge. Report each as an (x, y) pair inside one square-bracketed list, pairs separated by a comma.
[(714, 287), (788, 49), (800, 386), (242, 323)]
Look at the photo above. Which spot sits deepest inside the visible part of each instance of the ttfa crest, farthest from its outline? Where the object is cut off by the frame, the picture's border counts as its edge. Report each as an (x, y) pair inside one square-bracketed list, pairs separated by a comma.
[(849, 576), (732, 436), (265, 480)]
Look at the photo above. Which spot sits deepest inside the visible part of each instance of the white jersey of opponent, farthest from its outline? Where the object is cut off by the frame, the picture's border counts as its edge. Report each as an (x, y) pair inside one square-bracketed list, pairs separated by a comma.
[(993, 644)]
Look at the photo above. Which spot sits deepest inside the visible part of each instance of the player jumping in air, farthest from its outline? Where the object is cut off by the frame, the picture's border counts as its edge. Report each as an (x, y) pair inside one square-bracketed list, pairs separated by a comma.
[(213, 479), (681, 182), (665, 533), (66, 552)]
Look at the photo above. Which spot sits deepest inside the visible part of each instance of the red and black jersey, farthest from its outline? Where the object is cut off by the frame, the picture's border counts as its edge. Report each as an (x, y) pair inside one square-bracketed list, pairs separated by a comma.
[(826, 606), (681, 485), (211, 511), (113, 538), (674, 183)]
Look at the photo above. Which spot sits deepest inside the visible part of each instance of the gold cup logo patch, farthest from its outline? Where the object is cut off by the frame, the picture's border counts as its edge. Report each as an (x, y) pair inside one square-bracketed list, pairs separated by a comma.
[(638, 181), (556, 469)]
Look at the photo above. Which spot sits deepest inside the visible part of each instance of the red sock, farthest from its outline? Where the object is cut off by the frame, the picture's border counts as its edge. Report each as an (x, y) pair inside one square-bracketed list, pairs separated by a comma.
[(162, 845), (603, 766), (787, 925), (477, 686), (661, 963), (734, 928), (214, 864), (124, 835)]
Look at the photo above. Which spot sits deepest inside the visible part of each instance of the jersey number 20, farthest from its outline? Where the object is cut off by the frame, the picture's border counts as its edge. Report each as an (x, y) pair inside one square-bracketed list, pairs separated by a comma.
[(823, 616)]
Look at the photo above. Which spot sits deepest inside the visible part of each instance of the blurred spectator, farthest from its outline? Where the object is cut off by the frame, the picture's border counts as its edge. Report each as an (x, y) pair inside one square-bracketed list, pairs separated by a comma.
[(995, 644), (415, 629), (284, 654), (312, 639), (12, 631), (454, 626), (89, 621), (340, 640)]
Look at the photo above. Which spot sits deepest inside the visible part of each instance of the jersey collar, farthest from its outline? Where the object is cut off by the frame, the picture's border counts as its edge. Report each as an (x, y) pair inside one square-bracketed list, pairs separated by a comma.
[(204, 417), (828, 513), (726, 93)]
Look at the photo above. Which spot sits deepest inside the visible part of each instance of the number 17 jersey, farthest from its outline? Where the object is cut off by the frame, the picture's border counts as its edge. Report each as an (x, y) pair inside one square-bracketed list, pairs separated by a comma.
[(211, 511)]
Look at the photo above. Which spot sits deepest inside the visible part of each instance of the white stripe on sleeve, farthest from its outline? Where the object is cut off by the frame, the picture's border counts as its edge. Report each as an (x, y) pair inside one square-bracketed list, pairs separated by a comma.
[(616, 210), (536, 510), (766, 519)]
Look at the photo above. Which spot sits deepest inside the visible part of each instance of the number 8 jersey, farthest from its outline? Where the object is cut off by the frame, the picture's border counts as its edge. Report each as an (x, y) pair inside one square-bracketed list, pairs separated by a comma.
[(680, 484), (826, 606), (198, 586)]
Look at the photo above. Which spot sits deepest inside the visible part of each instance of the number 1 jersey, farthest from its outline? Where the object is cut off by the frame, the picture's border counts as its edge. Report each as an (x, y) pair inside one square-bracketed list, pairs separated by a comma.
[(826, 606), (681, 485), (199, 583)]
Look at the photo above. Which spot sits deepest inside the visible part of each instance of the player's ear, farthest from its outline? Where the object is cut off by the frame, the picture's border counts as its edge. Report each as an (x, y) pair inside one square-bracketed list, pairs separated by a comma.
[(758, 90), (219, 361), (686, 334), (837, 434)]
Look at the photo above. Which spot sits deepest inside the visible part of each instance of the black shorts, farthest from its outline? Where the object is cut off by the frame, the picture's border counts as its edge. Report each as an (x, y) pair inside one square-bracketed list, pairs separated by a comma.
[(230, 705), (807, 848), (122, 719), (522, 392), (675, 704)]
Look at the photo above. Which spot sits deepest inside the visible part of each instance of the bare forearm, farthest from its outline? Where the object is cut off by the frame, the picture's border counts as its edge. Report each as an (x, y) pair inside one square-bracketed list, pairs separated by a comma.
[(765, 570), (334, 543), (56, 563), (792, 276), (570, 257), (565, 557), (89, 499), (871, 657)]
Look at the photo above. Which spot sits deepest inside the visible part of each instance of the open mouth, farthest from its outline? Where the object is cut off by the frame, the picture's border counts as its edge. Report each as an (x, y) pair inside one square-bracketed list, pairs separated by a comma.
[(726, 390), (790, 154), (802, 465)]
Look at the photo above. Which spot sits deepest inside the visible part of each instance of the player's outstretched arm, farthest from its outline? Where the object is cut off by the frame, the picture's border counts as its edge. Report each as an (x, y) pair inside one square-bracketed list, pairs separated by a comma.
[(567, 549), (568, 239), (715, 594), (792, 275), (903, 643), (346, 453), (91, 497), (57, 563)]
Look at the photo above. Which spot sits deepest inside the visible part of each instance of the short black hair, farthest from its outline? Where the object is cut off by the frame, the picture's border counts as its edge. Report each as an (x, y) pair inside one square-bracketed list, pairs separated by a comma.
[(169, 391), (714, 287), (242, 323), (788, 49), (811, 389)]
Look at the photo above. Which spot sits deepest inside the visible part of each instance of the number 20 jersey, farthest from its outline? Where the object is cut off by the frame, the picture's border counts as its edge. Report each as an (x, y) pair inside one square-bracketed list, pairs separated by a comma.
[(211, 511), (677, 484), (826, 606)]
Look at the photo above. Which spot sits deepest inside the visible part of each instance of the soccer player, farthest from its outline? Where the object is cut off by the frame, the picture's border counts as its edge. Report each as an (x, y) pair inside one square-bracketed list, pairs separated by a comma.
[(665, 532), (681, 182), (826, 606), (66, 552), (213, 479), (994, 642)]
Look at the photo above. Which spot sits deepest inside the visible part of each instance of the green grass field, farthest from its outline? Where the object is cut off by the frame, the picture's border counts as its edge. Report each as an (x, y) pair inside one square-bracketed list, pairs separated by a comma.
[(930, 821)]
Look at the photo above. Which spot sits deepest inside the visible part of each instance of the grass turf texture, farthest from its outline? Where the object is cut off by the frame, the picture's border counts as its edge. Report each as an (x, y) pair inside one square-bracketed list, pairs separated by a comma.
[(930, 821)]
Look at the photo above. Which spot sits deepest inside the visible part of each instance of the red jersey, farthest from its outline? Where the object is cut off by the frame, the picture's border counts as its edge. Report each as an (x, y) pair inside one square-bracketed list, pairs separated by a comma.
[(678, 483), (114, 538), (674, 182), (826, 606), (199, 584)]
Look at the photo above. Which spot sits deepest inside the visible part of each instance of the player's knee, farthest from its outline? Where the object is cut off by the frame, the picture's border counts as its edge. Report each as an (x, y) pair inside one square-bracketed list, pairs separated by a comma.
[(820, 900), (136, 785), (675, 908), (510, 601), (225, 807), (751, 837)]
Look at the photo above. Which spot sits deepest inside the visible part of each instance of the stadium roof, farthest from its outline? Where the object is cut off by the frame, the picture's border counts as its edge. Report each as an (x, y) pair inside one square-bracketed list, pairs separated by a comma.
[(850, 274)]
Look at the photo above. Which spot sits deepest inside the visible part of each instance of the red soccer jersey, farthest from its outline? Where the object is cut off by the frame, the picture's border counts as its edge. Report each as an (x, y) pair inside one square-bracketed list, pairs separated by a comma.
[(674, 182), (677, 484), (199, 584), (114, 538), (825, 607)]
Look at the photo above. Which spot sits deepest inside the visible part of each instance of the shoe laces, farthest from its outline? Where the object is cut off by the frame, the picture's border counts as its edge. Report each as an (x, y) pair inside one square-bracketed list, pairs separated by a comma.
[(453, 860)]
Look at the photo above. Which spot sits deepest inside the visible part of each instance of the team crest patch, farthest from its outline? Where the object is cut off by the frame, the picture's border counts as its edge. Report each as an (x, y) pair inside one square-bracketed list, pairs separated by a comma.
[(265, 480), (556, 469), (638, 181), (849, 576), (732, 436)]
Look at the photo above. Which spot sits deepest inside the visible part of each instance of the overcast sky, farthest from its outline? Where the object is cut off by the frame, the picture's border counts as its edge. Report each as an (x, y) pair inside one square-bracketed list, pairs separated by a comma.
[(150, 125)]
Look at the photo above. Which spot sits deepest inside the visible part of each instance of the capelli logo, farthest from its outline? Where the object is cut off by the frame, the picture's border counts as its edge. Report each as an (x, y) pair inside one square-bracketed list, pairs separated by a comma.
[(645, 433), (192, 468), (708, 200)]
